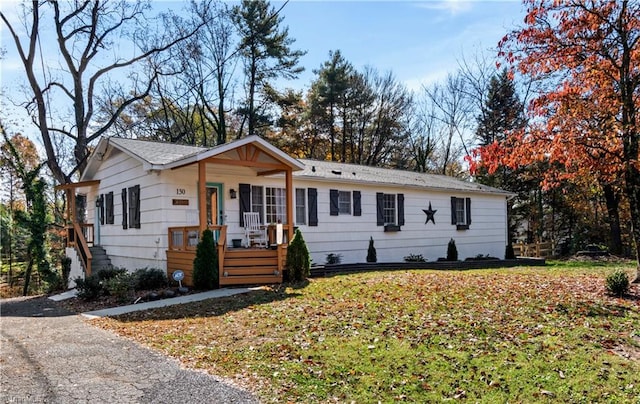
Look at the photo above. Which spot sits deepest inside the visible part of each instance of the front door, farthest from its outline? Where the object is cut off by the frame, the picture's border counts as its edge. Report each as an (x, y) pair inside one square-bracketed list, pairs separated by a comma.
[(215, 212)]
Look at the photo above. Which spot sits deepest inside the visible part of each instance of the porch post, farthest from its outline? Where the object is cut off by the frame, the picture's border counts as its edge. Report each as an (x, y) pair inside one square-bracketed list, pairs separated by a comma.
[(71, 205), (202, 194), (289, 191)]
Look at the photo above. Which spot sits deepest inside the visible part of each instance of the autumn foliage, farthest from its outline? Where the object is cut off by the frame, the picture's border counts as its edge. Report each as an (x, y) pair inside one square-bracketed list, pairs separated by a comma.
[(582, 58)]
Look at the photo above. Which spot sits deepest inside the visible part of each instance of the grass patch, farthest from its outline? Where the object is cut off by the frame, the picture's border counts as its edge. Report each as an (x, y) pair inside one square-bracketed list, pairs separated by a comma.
[(524, 335)]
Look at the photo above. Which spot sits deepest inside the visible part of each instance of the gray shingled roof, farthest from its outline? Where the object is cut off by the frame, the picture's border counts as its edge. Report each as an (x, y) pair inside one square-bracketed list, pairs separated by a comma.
[(364, 174), (156, 153)]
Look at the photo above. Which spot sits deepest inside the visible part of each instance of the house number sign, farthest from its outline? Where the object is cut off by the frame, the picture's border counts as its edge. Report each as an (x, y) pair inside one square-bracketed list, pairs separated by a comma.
[(180, 191)]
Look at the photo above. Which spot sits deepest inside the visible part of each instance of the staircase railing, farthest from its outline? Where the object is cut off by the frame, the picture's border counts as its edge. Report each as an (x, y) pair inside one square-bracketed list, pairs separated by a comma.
[(222, 245), (76, 238)]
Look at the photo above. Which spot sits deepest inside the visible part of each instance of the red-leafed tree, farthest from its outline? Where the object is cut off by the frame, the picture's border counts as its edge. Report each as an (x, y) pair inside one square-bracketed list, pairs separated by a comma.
[(583, 122)]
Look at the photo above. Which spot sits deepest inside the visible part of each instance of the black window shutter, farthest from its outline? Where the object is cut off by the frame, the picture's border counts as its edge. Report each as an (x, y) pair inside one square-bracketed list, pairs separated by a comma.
[(334, 207), (125, 220), (454, 220), (400, 209), (101, 207), (134, 207), (379, 208), (357, 204), (109, 207), (137, 200), (245, 201), (468, 209), (313, 206)]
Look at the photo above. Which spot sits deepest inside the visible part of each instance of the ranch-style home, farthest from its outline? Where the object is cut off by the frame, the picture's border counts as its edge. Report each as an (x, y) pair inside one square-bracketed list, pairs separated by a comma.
[(145, 204)]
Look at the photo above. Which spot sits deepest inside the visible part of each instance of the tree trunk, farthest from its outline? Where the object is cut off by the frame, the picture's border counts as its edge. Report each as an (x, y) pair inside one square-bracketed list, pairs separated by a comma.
[(27, 275), (612, 200)]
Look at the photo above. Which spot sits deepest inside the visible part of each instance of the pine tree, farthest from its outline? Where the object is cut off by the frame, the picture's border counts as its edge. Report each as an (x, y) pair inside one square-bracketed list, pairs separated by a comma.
[(372, 255), (265, 47), (298, 260), (502, 112), (205, 265)]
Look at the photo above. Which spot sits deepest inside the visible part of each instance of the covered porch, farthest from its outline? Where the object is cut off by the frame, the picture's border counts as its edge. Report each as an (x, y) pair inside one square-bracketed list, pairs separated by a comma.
[(237, 265), (79, 235)]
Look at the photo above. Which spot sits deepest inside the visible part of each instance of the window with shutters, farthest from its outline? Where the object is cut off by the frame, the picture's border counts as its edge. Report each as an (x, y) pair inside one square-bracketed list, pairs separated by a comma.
[(390, 211), (301, 206), (345, 203), (461, 212)]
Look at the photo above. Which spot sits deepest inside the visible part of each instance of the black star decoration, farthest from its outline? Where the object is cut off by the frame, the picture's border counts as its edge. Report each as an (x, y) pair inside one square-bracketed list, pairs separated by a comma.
[(430, 214)]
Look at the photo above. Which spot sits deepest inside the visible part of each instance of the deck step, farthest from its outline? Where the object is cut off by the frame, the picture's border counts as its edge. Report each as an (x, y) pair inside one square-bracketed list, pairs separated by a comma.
[(250, 280), (249, 271), (250, 262)]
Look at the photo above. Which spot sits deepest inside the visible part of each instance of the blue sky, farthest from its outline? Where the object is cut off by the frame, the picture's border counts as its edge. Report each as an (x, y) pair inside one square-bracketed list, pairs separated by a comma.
[(419, 41)]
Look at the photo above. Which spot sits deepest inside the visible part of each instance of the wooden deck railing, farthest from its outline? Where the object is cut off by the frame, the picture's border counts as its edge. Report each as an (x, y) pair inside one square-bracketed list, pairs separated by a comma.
[(186, 238), (537, 250), (236, 266)]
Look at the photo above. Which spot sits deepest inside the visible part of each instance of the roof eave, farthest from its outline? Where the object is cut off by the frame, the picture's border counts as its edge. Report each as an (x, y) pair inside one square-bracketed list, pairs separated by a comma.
[(439, 189)]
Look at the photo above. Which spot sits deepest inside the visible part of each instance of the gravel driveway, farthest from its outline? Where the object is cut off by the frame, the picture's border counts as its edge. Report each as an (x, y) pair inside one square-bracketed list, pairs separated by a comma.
[(49, 355)]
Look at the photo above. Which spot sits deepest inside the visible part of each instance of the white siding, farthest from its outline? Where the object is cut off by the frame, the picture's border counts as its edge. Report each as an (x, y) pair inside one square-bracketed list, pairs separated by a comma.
[(347, 235)]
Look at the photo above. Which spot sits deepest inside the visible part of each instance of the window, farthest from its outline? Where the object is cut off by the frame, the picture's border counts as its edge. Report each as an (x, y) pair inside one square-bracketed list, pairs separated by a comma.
[(340, 202), (257, 201), (301, 211), (344, 202), (389, 209), (276, 205), (461, 212)]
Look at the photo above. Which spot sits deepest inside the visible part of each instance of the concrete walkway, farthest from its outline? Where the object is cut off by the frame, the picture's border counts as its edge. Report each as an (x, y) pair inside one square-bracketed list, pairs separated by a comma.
[(195, 297), (49, 355)]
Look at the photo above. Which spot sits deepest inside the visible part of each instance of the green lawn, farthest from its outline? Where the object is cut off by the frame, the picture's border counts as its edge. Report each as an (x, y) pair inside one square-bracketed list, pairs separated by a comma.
[(517, 335)]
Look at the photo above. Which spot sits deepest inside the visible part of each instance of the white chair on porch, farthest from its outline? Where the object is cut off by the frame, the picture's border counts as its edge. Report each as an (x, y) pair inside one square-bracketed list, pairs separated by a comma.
[(254, 231)]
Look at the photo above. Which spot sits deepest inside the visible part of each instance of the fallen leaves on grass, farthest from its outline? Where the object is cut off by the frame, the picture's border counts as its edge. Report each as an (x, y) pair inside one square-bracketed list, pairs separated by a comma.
[(515, 335)]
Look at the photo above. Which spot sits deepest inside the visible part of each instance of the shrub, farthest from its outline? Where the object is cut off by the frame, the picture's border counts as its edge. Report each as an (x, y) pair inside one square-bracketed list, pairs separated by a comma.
[(617, 283), (150, 279), (414, 258), (509, 254), (372, 255), (109, 273), (452, 251), (89, 288), (120, 286), (65, 263), (481, 257), (205, 265), (333, 259), (298, 260)]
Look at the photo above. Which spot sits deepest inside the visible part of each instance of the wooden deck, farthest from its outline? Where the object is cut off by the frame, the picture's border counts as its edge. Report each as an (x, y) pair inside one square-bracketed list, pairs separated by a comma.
[(237, 266)]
